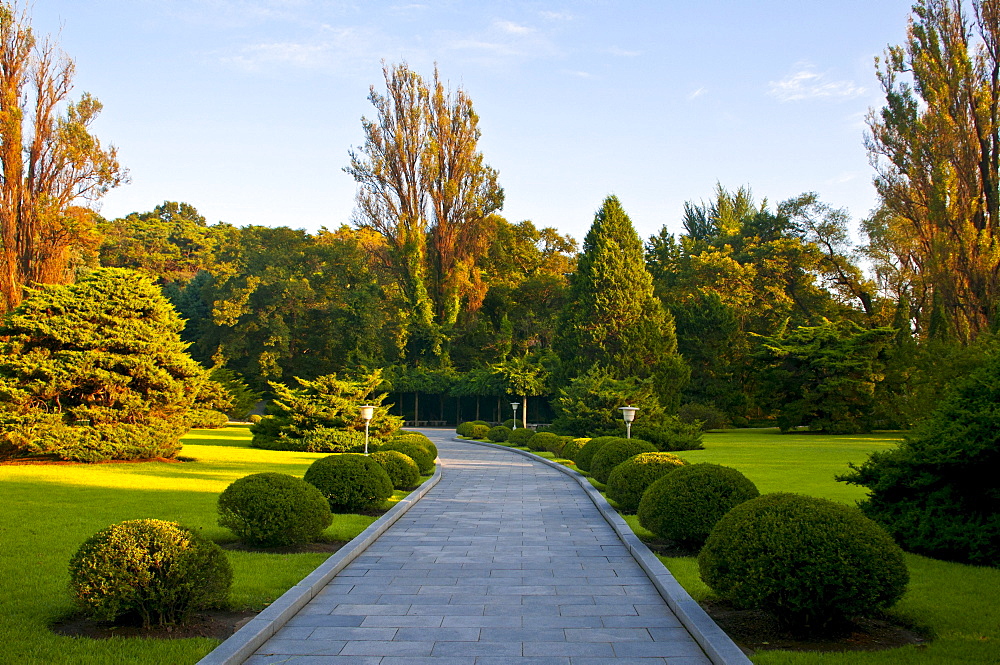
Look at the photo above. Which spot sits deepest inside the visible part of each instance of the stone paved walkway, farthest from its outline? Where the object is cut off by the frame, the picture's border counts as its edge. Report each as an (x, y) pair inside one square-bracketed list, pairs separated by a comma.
[(505, 561)]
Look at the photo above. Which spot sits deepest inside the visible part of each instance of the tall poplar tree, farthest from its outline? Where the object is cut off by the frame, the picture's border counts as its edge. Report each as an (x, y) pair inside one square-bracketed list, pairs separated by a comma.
[(936, 149), (612, 319)]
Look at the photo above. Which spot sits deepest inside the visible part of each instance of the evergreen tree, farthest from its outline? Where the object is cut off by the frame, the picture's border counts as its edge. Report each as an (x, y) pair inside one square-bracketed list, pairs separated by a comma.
[(96, 370), (612, 319)]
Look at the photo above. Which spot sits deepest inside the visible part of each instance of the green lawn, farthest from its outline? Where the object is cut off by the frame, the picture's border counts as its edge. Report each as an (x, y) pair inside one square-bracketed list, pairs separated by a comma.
[(49, 510), (959, 604)]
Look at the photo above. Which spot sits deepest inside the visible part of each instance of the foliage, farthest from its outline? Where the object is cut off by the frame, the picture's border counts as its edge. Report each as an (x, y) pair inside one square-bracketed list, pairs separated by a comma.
[(629, 480), (572, 447), (669, 433), (95, 370), (498, 434), (154, 569), (810, 561), (350, 482), (419, 439), (936, 149), (589, 405), (50, 162), (479, 432), (545, 441), (584, 457), (612, 319), (520, 436), (937, 492), (612, 454), (419, 453), (685, 505), (424, 187), (207, 419), (302, 417), (403, 471), (707, 415), (465, 429), (243, 398), (823, 376), (317, 440), (274, 510)]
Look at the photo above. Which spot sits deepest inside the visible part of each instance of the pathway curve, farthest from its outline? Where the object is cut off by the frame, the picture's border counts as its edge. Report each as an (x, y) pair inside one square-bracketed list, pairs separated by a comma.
[(506, 560)]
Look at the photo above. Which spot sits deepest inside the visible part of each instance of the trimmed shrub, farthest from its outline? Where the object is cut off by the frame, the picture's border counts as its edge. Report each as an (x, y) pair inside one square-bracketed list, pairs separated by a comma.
[(155, 570), (207, 419), (479, 432), (543, 440), (465, 429), (520, 436), (254, 419), (498, 434), (704, 415), (572, 447), (403, 471), (350, 482), (509, 423), (586, 453), (418, 453), (317, 440), (612, 454), (810, 561), (671, 435), (274, 510), (418, 439), (628, 480), (684, 505)]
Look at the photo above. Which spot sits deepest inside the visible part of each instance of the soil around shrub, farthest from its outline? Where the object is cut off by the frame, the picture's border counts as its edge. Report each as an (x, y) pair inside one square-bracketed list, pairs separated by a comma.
[(215, 624), (326, 547)]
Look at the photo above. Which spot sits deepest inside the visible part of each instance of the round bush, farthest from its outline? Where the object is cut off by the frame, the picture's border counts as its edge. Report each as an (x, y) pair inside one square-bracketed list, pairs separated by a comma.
[(498, 434), (543, 441), (418, 453), (479, 432), (465, 429), (630, 479), (614, 453), (151, 569), (586, 453), (684, 505), (572, 447), (403, 471), (207, 419), (274, 510), (418, 439), (520, 436), (810, 561), (509, 423), (350, 482)]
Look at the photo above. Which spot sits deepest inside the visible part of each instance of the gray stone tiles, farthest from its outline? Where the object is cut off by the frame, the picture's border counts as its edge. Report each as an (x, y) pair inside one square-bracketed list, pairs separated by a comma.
[(505, 561)]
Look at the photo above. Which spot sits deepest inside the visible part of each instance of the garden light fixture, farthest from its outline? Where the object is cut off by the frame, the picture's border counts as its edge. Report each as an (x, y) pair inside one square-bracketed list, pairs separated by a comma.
[(628, 414), (514, 406), (367, 412)]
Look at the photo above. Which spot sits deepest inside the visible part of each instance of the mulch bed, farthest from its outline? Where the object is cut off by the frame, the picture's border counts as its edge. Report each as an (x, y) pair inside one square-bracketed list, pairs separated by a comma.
[(217, 624)]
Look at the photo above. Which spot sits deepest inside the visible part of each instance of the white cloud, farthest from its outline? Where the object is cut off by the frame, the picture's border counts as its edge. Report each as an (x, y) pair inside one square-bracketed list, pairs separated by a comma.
[(513, 28), (806, 83), (556, 16), (695, 94), (336, 49), (614, 50)]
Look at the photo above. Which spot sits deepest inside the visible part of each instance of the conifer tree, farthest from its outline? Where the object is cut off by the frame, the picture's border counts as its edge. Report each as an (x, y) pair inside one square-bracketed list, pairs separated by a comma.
[(613, 320)]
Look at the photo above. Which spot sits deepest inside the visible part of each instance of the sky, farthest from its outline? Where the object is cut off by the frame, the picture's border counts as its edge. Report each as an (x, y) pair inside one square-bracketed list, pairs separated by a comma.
[(246, 109)]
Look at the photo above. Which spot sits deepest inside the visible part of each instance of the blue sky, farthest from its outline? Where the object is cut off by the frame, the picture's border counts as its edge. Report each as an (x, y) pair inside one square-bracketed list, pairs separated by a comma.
[(246, 108)]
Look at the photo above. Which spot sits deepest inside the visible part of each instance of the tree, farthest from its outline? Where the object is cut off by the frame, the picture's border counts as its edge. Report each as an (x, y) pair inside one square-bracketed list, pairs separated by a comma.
[(823, 376), (937, 492), (612, 319), (524, 377), (96, 370), (935, 146), (424, 187), (50, 162)]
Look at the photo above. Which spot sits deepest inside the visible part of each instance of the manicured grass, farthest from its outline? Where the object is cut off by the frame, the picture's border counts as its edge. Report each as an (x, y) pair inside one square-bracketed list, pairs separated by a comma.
[(958, 604), (49, 510)]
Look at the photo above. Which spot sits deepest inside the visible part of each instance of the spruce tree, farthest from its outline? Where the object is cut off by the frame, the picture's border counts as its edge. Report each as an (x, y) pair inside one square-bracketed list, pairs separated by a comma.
[(613, 320), (96, 370)]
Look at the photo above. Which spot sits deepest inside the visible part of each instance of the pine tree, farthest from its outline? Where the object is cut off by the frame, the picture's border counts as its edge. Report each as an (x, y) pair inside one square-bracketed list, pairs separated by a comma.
[(613, 320)]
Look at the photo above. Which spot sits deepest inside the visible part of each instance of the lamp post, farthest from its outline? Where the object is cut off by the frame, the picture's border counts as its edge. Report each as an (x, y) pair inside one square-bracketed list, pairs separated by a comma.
[(628, 414), (366, 412), (514, 406)]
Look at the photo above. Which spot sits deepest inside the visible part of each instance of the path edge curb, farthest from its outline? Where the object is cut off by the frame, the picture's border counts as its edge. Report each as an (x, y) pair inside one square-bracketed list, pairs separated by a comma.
[(718, 646), (243, 643)]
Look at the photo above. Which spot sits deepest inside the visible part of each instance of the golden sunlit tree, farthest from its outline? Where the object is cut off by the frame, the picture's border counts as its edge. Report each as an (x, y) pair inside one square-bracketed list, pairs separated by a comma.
[(51, 166), (936, 148), (423, 186)]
